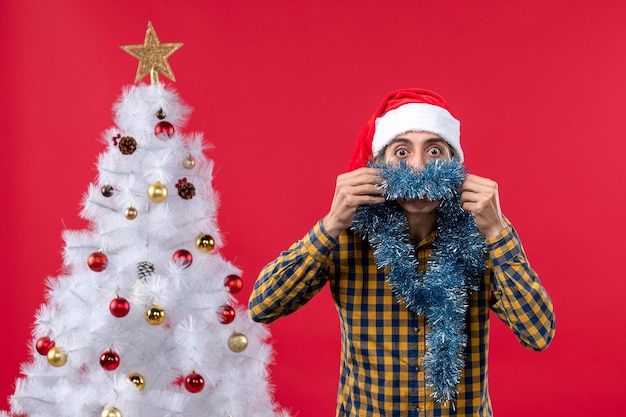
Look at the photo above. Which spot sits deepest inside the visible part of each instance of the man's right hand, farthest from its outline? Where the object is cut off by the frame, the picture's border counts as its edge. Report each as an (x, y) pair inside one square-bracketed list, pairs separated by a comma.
[(353, 189)]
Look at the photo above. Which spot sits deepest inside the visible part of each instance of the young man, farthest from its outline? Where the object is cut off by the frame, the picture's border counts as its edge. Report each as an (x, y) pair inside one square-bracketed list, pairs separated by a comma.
[(412, 274)]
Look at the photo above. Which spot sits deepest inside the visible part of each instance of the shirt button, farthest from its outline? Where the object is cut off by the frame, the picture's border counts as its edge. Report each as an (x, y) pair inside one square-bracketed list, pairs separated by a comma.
[(416, 329), (308, 282), (417, 369), (417, 409)]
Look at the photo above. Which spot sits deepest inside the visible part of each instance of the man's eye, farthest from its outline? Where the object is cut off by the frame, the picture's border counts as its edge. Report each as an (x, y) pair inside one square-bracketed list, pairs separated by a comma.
[(401, 152), (434, 151)]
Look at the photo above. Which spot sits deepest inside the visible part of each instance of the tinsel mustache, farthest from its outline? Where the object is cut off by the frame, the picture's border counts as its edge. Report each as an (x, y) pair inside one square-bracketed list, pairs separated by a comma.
[(439, 180)]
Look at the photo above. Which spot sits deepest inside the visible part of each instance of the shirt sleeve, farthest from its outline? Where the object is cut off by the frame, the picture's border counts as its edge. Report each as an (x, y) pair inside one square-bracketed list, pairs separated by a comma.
[(292, 279), (518, 297)]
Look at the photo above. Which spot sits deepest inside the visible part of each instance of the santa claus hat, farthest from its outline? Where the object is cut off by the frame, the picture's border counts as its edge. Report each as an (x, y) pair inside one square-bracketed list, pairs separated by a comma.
[(409, 110)]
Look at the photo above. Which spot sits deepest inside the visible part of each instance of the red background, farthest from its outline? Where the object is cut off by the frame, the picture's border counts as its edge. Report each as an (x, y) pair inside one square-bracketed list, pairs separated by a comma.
[(281, 89)]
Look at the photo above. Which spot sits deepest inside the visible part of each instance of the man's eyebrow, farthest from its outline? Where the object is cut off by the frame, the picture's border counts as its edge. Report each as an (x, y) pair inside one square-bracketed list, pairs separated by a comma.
[(435, 140)]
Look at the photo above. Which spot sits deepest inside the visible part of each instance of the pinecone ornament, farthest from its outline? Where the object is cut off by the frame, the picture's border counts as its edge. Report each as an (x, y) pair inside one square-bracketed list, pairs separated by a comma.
[(127, 145), (186, 190), (144, 269)]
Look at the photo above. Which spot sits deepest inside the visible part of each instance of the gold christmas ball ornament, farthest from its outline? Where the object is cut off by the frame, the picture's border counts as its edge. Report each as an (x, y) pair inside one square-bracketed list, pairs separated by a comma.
[(56, 357), (157, 192), (189, 162), (155, 315), (137, 380), (130, 213), (205, 243), (111, 412), (237, 342)]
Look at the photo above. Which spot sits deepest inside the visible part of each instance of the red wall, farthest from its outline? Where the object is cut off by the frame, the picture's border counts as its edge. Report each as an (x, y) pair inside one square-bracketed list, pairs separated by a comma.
[(282, 88)]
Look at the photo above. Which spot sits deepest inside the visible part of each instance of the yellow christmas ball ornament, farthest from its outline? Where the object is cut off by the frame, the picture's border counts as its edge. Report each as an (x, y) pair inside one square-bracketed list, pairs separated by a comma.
[(155, 315), (56, 357), (205, 243), (157, 192), (137, 380), (237, 342), (111, 412), (189, 162), (130, 213)]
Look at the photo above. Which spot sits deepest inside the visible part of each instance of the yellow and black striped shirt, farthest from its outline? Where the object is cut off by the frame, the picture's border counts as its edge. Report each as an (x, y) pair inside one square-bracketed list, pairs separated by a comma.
[(383, 343)]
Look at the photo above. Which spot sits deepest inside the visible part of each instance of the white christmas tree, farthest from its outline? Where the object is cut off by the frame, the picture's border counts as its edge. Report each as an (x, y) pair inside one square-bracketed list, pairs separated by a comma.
[(143, 321)]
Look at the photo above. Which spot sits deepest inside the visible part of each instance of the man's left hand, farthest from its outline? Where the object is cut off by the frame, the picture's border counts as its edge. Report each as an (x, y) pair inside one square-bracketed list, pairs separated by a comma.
[(480, 197)]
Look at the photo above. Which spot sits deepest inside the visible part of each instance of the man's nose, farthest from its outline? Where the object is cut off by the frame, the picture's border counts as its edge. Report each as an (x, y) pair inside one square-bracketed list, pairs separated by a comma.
[(417, 161)]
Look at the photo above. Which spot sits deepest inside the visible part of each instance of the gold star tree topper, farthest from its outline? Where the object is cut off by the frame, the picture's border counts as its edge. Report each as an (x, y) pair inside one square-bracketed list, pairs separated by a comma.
[(152, 56)]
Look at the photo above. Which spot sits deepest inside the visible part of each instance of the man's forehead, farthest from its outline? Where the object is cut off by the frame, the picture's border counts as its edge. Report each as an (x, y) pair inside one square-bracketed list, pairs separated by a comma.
[(404, 138)]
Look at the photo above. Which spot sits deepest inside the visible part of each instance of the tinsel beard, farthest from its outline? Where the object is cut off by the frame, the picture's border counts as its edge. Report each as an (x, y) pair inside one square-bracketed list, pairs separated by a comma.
[(454, 266)]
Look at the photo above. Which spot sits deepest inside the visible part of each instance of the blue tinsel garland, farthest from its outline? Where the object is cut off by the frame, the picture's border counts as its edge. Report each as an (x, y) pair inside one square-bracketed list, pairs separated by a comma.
[(454, 267)]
